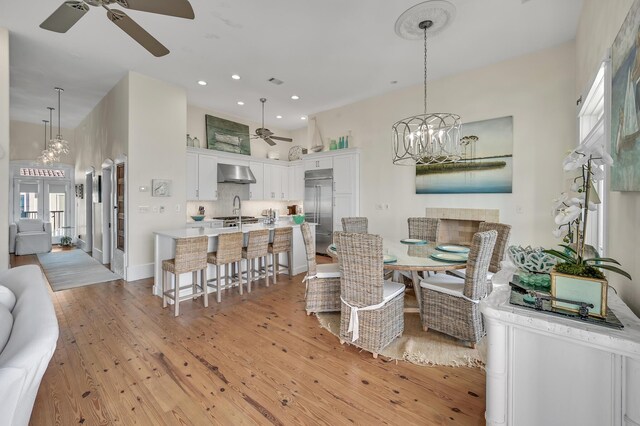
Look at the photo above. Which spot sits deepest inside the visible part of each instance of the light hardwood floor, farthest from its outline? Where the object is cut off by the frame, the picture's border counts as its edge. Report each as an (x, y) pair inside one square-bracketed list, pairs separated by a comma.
[(253, 359)]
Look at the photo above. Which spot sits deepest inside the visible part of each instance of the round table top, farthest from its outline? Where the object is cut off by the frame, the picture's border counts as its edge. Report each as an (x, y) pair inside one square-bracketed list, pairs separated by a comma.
[(411, 257)]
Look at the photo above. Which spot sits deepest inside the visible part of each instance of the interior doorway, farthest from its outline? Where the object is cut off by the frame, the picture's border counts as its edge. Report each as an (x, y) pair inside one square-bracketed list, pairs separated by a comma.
[(107, 212), (88, 211), (119, 224)]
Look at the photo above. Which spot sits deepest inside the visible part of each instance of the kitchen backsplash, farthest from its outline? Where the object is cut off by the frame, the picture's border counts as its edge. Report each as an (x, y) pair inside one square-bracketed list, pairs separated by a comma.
[(224, 205)]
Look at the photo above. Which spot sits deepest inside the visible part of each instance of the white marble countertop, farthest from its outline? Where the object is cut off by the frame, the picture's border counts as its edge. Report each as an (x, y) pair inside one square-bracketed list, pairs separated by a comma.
[(214, 232), (625, 341)]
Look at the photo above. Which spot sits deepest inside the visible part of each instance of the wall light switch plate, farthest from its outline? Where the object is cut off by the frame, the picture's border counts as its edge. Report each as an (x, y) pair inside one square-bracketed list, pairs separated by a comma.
[(177, 208), (161, 209), (143, 209)]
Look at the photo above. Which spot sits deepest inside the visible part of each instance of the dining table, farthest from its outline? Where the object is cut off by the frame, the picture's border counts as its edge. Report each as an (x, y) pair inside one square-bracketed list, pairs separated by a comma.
[(415, 257)]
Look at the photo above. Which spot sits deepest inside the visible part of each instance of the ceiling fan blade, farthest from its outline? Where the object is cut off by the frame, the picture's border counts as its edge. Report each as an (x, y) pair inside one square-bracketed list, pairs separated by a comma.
[(178, 8), (136, 32), (269, 141), (65, 16), (280, 138)]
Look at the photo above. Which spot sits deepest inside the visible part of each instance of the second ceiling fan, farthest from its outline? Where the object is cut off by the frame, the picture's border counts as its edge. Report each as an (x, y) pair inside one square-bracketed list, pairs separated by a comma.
[(70, 12), (266, 134)]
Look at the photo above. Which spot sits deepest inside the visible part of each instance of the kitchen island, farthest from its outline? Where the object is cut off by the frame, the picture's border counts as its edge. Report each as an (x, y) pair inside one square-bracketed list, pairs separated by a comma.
[(165, 248)]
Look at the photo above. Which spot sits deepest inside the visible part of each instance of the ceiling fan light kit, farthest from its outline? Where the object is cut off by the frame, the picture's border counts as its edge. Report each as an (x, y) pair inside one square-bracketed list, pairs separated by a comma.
[(427, 138), (70, 12)]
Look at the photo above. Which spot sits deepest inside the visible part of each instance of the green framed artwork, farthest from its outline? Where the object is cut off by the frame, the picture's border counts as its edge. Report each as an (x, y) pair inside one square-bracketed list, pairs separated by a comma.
[(625, 104), (228, 136)]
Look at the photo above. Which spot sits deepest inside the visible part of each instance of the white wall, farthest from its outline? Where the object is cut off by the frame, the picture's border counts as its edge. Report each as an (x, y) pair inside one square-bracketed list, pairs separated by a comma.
[(196, 128), (4, 148), (537, 90), (103, 134), (157, 150), (597, 29), (27, 140)]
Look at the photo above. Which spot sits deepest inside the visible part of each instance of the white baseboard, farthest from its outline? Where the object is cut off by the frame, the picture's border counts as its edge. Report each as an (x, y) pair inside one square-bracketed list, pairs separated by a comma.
[(82, 245), (97, 254), (138, 272)]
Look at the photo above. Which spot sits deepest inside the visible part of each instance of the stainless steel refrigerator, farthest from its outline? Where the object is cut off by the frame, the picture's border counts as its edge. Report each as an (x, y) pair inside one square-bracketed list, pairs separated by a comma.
[(318, 205)]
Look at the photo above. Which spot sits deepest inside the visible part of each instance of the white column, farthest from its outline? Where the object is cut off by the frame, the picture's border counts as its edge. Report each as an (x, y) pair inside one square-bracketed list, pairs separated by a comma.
[(497, 378), (4, 148)]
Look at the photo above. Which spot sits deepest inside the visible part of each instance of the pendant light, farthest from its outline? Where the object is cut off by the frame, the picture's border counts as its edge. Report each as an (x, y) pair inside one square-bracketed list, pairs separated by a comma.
[(427, 138), (46, 156), (59, 145)]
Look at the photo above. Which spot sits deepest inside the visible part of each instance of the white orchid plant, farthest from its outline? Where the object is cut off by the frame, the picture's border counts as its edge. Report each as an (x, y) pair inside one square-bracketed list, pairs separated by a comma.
[(572, 209)]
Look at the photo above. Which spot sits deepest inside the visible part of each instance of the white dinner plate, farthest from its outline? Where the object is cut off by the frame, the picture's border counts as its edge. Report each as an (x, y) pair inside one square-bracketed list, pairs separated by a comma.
[(453, 248), (449, 257), (414, 241), (389, 258)]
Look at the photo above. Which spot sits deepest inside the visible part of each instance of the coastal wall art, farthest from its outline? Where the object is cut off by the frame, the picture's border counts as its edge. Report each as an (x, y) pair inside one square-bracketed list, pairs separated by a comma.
[(228, 136), (486, 165), (625, 104)]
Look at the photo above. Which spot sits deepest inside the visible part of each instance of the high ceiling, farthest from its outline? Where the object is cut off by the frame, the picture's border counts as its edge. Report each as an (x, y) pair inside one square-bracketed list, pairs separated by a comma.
[(328, 52)]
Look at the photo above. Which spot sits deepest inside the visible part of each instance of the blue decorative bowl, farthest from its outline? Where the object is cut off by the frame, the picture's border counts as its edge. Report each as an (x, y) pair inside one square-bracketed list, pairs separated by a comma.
[(198, 218)]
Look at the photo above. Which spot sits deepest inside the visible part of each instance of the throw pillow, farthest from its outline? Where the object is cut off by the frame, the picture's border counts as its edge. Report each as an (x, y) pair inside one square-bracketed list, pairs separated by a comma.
[(6, 324), (7, 298)]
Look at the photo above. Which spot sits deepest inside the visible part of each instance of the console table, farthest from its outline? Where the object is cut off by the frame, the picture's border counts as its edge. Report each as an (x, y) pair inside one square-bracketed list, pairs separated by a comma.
[(549, 370)]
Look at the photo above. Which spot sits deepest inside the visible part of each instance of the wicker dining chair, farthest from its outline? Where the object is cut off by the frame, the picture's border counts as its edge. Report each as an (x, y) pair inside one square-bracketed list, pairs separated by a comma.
[(372, 310), (191, 256), (229, 252), (282, 243), (424, 228), (504, 231), (255, 253), (450, 305), (322, 281), (358, 225)]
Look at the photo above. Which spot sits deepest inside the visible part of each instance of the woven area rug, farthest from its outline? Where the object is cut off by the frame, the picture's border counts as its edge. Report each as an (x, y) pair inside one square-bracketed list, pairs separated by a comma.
[(74, 268), (423, 348)]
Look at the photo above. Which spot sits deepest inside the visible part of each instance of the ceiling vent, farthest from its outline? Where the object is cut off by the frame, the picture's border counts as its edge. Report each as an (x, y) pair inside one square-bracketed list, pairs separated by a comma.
[(275, 81)]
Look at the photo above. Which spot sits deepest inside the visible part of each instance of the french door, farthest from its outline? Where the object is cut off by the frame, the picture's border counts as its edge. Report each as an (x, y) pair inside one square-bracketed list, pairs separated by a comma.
[(47, 200)]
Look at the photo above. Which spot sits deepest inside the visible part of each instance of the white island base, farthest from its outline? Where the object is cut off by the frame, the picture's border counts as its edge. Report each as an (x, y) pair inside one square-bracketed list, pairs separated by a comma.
[(165, 249)]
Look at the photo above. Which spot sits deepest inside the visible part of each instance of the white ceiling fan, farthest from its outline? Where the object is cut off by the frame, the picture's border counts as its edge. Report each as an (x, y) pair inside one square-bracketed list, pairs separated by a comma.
[(70, 12), (266, 134)]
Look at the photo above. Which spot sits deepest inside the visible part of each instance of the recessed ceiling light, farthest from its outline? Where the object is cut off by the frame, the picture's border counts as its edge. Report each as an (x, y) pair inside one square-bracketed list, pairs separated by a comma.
[(278, 116), (295, 97), (202, 82), (240, 103), (303, 118), (235, 77)]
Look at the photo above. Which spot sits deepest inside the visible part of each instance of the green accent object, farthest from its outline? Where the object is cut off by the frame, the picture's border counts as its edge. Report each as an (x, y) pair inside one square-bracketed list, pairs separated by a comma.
[(298, 219), (535, 280), (588, 290), (197, 218), (333, 146), (341, 143)]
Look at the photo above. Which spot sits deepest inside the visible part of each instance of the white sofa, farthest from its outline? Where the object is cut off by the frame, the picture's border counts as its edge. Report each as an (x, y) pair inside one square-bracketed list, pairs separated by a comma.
[(30, 236), (32, 341)]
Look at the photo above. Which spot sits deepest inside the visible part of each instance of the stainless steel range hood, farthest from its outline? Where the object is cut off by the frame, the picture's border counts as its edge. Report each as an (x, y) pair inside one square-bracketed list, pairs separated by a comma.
[(230, 173)]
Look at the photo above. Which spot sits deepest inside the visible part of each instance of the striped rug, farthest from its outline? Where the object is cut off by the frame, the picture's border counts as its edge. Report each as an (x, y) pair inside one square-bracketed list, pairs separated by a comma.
[(74, 268)]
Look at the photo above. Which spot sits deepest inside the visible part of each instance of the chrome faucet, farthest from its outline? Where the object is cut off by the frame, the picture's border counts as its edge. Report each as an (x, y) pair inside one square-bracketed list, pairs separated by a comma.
[(238, 210)]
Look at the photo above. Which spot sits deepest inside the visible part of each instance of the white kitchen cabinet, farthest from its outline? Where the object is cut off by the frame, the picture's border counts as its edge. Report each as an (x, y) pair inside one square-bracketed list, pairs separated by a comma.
[(202, 177), (256, 190), (272, 182), (296, 181), (318, 163), (345, 187), (284, 182), (192, 176), (207, 178)]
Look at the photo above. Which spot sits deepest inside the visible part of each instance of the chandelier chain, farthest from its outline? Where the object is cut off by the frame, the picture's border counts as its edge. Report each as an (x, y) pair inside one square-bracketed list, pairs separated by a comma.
[(425, 69)]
